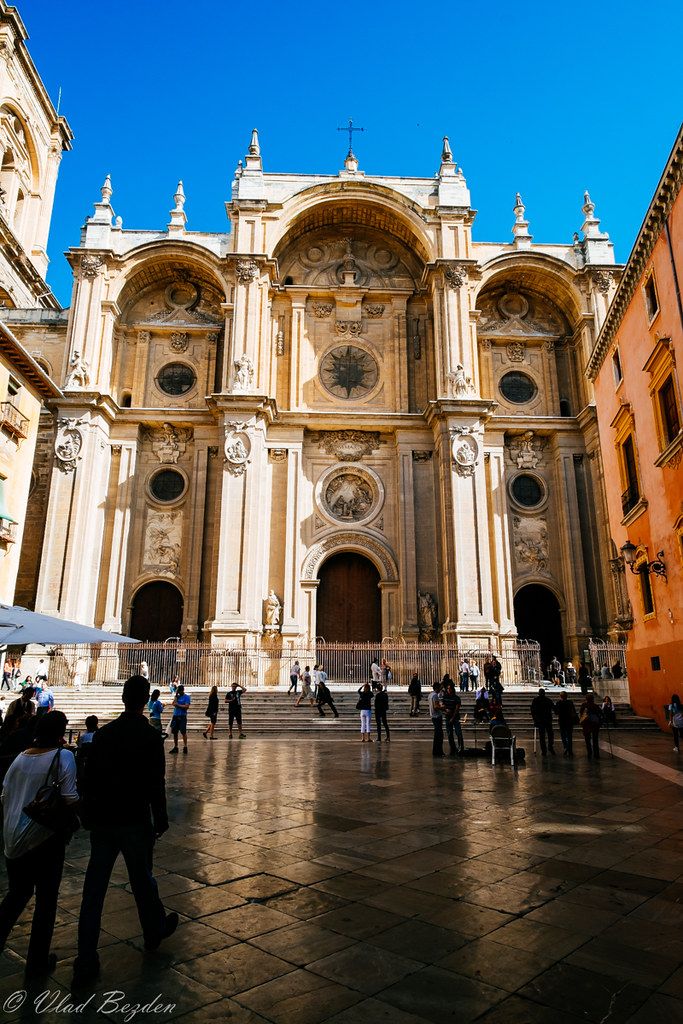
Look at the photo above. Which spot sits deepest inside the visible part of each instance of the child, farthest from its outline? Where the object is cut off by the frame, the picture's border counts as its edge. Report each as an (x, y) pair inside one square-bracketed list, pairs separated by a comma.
[(91, 726)]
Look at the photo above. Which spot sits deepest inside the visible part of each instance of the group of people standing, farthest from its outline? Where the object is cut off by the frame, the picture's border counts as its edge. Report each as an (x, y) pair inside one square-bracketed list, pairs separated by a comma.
[(590, 717)]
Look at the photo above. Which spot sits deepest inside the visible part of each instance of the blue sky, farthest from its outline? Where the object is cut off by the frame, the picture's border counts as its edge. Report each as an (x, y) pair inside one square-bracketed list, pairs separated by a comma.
[(547, 99)]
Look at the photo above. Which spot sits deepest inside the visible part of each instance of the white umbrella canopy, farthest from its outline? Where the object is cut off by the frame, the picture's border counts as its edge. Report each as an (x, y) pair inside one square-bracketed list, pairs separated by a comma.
[(19, 626)]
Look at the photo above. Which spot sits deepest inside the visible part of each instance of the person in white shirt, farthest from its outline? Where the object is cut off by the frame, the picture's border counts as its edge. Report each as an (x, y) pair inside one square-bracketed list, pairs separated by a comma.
[(34, 855), (375, 674)]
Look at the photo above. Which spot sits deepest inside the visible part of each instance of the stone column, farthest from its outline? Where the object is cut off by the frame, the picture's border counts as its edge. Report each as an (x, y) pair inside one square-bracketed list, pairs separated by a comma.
[(296, 354), (406, 537), (140, 375), (70, 565), (196, 542), (577, 624), (239, 586), (119, 511), (246, 318), (290, 611), (499, 530)]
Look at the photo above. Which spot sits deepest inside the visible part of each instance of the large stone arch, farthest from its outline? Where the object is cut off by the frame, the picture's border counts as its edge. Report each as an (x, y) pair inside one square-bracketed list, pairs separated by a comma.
[(539, 273), (379, 553), (149, 265)]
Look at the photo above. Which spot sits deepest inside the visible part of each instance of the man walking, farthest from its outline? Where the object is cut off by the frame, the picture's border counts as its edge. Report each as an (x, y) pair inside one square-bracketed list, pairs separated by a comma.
[(435, 708), (233, 699), (124, 806), (567, 718), (294, 676), (325, 696), (381, 708), (451, 704), (542, 714)]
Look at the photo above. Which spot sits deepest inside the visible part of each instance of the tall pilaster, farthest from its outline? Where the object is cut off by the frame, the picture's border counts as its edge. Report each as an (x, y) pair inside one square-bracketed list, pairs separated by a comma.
[(119, 511), (499, 531), (406, 534), (577, 619)]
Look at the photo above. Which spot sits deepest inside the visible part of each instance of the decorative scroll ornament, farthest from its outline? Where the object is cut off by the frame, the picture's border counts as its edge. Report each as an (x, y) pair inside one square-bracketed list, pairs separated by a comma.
[(280, 343), (531, 544), (78, 376), (417, 341), (237, 448), (422, 456), (516, 351), (351, 327), (144, 337), (322, 310), (525, 449), (603, 280), (180, 341), (68, 444), (91, 266), (244, 375), (278, 454), (374, 310), (465, 450), (246, 271), (459, 383), (455, 274), (348, 445)]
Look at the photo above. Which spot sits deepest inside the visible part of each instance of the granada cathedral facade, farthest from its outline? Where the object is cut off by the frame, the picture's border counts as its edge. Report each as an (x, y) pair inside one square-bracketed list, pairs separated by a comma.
[(340, 417)]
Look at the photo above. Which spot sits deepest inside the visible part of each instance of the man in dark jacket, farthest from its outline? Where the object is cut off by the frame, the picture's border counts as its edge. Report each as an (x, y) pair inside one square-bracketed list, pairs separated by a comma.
[(381, 708), (542, 713), (124, 806)]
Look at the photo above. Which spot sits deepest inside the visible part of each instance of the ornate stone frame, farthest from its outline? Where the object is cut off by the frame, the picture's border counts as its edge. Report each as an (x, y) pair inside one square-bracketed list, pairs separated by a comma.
[(379, 553), (186, 395), (527, 509), (339, 469)]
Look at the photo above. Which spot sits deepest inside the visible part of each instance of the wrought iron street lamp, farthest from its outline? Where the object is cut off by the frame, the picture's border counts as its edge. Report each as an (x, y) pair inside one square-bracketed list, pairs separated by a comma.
[(656, 567)]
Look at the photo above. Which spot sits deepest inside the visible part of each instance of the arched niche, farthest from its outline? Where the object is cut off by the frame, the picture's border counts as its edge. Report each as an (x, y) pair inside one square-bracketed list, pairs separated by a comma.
[(156, 611)]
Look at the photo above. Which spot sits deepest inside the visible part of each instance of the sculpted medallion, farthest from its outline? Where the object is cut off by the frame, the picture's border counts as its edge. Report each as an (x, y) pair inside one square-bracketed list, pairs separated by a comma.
[(348, 372), (350, 494)]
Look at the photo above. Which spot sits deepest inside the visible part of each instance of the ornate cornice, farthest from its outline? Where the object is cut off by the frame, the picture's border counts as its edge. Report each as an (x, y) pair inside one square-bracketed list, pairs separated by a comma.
[(663, 200)]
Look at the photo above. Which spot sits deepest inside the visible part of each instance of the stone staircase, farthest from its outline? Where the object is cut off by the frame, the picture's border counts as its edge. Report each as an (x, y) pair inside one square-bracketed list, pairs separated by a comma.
[(272, 713)]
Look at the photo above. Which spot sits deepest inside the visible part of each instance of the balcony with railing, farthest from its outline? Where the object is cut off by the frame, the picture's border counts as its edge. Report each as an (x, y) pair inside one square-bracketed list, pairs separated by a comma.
[(13, 421), (8, 531)]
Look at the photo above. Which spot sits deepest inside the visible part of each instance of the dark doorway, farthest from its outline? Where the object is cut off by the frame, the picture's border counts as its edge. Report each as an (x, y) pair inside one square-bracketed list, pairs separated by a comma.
[(537, 617), (349, 600), (157, 612)]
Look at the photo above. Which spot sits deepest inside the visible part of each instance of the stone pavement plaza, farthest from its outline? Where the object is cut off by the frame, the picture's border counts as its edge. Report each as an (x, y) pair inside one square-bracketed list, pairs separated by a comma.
[(329, 881)]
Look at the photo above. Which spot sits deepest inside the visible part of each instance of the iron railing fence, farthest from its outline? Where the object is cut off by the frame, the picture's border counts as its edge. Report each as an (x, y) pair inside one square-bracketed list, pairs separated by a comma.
[(347, 664), (605, 654)]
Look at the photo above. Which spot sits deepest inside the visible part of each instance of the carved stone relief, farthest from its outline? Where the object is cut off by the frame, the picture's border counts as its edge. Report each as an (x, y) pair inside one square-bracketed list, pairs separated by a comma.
[(348, 497), (180, 341), (531, 543), (511, 313), (348, 445), (354, 328), (237, 448), (603, 280), (465, 451), (272, 612), (322, 310), (374, 310), (516, 351), (168, 442), (163, 541), (349, 372), (246, 271), (78, 376), (459, 383), (526, 449), (422, 456), (68, 444), (363, 262), (350, 541), (455, 274), (184, 305), (91, 266), (278, 454)]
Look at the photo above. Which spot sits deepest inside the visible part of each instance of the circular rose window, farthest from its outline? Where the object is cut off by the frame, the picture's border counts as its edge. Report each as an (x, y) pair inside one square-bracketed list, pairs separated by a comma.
[(517, 387), (527, 490), (167, 485), (176, 379), (348, 372)]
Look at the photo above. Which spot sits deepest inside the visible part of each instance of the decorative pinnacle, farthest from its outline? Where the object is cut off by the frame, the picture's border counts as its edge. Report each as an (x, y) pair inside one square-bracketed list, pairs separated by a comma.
[(588, 205), (520, 229), (446, 152), (179, 196), (254, 147), (591, 224), (178, 220), (106, 190)]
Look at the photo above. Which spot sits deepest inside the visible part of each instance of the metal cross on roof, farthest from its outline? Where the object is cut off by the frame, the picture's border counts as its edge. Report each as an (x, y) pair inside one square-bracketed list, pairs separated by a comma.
[(350, 128)]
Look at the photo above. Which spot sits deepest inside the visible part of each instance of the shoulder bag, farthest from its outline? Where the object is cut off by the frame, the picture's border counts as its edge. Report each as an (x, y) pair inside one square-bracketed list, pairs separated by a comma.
[(49, 808)]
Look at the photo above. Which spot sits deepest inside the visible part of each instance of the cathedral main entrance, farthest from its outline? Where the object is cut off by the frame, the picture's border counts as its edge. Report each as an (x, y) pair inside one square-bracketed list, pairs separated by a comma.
[(157, 612), (349, 605), (537, 617)]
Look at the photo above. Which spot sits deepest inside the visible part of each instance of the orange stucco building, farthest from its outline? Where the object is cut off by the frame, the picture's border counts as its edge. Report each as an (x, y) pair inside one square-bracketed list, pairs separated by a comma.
[(636, 366)]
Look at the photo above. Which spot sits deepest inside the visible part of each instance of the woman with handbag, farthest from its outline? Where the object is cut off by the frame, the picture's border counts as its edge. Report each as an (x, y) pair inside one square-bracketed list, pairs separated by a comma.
[(38, 799), (364, 705)]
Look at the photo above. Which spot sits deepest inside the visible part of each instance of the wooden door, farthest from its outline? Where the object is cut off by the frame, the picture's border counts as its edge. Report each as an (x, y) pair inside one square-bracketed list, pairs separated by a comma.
[(157, 612), (349, 604)]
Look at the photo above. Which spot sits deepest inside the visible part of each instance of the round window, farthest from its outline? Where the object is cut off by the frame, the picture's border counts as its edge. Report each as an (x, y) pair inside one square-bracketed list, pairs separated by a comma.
[(167, 485), (176, 379), (527, 491), (517, 387)]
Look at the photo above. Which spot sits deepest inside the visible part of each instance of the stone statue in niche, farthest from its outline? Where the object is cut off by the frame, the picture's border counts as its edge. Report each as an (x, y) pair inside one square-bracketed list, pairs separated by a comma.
[(460, 383), (349, 497), (465, 452), (272, 611), (78, 371), (244, 374), (426, 615)]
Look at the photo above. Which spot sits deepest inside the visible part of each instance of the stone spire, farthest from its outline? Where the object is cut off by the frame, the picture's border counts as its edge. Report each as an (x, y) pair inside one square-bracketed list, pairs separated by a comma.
[(253, 160), (447, 168), (520, 229), (176, 225), (452, 187), (596, 246), (106, 190)]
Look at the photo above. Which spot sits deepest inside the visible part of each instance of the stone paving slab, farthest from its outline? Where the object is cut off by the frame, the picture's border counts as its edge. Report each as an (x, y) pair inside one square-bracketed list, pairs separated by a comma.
[(328, 883)]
